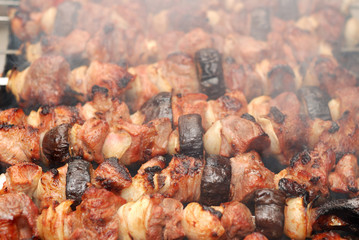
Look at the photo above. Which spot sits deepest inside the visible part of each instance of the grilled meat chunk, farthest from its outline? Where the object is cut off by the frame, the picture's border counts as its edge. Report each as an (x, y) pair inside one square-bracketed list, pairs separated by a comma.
[(151, 217), (20, 144), (237, 220), (112, 176), (18, 216), (248, 175)]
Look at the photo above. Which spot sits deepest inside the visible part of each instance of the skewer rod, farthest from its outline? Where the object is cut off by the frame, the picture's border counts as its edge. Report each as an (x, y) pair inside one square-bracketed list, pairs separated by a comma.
[(9, 3), (10, 52), (3, 81), (4, 19)]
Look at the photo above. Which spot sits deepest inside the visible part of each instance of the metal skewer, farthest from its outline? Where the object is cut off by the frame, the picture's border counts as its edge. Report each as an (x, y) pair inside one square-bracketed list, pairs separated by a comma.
[(9, 3), (3, 81)]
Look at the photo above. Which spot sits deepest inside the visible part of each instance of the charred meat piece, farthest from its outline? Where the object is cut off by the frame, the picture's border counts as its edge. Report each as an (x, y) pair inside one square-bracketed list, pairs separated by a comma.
[(96, 217), (248, 175), (55, 145), (87, 140), (151, 217), (158, 106), (19, 144), (345, 177), (315, 102), (216, 179), (42, 83), (181, 180), (191, 135), (309, 171), (237, 220), (112, 176), (269, 212), (77, 178), (210, 72), (326, 73), (260, 23), (22, 177), (233, 135), (339, 214), (18, 216)]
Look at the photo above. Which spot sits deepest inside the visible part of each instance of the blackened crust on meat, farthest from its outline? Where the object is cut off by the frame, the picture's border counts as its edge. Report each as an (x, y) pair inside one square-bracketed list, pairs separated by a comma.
[(191, 135), (216, 180), (55, 145), (77, 178), (158, 106), (278, 116), (334, 128), (269, 212), (291, 188), (123, 82), (212, 211), (248, 117), (315, 102), (210, 72), (97, 89), (287, 9)]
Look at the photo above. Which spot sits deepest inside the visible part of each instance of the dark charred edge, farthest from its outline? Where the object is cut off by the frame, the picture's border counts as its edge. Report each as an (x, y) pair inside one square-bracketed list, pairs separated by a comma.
[(334, 128), (7, 127), (97, 89), (133, 168), (120, 168), (231, 103), (125, 80), (159, 106), (54, 172), (214, 212), (249, 117), (277, 115), (304, 156), (108, 28), (45, 110), (154, 169), (69, 97), (291, 188)]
